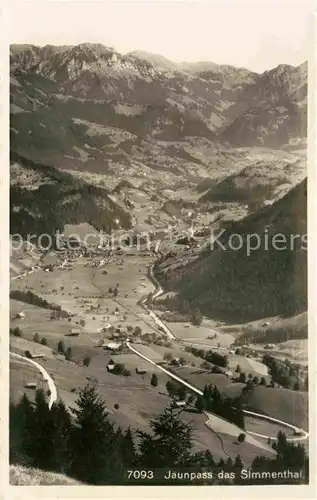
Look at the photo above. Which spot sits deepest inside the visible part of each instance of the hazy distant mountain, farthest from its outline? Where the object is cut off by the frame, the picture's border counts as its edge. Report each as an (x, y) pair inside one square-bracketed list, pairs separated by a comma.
[(109, 104), (277, 112)]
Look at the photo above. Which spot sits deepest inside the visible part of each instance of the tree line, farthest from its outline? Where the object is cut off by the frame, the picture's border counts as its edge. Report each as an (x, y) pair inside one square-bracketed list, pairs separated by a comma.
[(285, 373), (84, 443), (212, 401), (210, 356), (32, 298), (60, 200)]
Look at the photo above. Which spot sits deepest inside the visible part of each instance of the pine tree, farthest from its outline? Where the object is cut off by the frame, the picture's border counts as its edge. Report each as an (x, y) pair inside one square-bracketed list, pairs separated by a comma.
[(238, 466), (238, 462), (203, 459), (86, 361), (39, 432), (207, 392), (36, 338), (169, 444), (242, 378), (181, 392), (154, 380), (239, 418), (62, 430), (20, 429), (241, 437), (221, 464), (200, 404), (92, 440), (170, 387), (128, 449), (68, 354), (281, 445), (216, 397), (61, 347), (229, 465), (116, 468)]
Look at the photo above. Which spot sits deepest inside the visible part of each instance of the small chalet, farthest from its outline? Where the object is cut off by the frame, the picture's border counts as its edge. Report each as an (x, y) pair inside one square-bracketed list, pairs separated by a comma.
[(111, 365)]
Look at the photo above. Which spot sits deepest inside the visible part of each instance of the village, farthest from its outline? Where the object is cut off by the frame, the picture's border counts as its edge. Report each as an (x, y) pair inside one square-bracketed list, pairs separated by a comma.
[(85, 314)]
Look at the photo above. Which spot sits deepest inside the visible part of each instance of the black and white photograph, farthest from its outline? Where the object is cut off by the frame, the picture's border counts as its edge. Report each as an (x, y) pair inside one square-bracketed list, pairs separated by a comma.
[(159, 331)]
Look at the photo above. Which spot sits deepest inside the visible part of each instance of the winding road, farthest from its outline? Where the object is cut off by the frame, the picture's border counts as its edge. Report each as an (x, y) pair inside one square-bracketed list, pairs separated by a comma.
[(159, 291), (46, 377)]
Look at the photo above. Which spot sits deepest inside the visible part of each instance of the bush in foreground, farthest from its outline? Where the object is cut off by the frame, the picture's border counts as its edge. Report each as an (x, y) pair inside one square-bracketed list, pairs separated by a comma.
[(89, 446)]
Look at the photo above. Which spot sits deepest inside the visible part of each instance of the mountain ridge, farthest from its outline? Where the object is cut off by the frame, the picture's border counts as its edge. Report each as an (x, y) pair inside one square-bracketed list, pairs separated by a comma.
[(150, 97), (192, 65)]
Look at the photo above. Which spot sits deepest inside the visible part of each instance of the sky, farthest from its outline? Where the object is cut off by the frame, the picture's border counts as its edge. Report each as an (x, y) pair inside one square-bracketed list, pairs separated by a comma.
[(256, 34)]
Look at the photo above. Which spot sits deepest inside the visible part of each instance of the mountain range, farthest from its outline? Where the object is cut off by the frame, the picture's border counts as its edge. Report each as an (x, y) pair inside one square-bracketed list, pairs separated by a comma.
[(140, 116), (88, 107)]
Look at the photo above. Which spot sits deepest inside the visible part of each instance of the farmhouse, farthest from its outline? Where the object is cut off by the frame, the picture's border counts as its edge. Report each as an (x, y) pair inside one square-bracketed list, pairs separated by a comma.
[(179, 404), (107, 326), (140, 371), (30, 385), (112, 346), (74, 332), (269, 346), (110, 366), (298, 432), (20, 315), (37, 354)]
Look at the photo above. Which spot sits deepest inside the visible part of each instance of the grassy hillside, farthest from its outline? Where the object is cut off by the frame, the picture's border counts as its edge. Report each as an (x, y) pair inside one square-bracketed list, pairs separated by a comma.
[(283, 404), (230, 283), (44, 199), (29, 476)]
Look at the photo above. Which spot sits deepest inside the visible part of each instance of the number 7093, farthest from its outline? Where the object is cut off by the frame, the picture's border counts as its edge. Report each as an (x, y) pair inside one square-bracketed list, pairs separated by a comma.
[(140, 474)]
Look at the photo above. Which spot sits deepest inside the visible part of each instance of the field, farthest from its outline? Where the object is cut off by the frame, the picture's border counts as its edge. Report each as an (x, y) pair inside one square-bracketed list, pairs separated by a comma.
[(199, 378), (82, 290), (265, 427), (21, 374), (138, 402), (288, 334), (192, 334)]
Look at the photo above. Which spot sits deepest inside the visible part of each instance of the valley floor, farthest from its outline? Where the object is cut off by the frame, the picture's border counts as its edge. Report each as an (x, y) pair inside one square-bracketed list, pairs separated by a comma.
[(83, 291)]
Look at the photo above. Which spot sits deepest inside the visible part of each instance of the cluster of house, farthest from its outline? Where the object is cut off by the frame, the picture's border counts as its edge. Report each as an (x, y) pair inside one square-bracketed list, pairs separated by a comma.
[(269, 346)]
